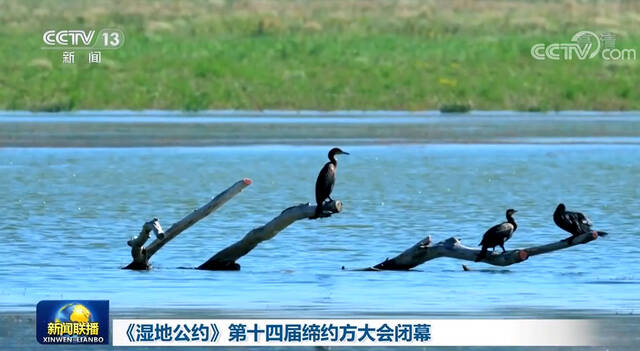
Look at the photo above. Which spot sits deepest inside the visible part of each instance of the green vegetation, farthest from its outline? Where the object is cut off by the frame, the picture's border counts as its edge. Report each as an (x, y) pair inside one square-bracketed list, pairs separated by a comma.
[(326, 55)]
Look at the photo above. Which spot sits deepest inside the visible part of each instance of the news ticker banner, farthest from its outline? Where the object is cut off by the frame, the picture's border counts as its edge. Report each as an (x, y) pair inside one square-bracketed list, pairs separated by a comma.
[(354, 332)]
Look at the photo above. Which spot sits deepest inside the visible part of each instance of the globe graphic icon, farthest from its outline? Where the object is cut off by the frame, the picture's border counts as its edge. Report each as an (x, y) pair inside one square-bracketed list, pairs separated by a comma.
[(74, 313)]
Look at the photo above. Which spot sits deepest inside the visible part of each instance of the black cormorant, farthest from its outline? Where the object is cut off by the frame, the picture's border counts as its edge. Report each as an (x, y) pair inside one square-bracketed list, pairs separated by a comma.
[(575, 223), (326, 180), (498, 235)]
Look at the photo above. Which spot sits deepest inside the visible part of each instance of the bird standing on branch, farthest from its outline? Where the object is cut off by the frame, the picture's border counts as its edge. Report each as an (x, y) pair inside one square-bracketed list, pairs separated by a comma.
[(326, 180), (575, 223), (498, 235)]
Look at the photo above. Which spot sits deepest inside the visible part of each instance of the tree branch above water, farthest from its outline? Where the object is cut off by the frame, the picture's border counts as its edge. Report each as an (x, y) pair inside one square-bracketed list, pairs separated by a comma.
[(424, 251), (141, 254), (226, 258)]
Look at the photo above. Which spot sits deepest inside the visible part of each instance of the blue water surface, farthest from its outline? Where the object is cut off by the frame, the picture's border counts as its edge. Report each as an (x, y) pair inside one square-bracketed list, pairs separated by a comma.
[(67, 213)]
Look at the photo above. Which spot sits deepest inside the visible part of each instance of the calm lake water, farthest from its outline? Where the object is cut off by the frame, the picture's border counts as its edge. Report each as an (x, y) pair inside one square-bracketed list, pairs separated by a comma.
[(67, 213)]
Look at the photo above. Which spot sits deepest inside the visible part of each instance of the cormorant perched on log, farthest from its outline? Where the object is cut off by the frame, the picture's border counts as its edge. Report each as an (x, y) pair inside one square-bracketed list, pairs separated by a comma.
[(326, 180), (498, 235), (575, 223)]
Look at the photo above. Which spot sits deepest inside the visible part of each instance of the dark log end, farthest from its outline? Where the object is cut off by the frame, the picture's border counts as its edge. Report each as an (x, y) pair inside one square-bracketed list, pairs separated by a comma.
[(219, 266), (391, 265), (138, 266)]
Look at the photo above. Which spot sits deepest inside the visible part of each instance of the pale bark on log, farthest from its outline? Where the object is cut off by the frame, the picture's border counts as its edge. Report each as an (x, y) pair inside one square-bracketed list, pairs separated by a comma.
[(226, 258), (424, 251), (141, 254)]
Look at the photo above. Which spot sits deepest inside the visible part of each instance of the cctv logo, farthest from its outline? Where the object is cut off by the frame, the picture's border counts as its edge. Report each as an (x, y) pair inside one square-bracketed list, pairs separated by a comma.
[(109, 38), (68, 37), (584, 45)]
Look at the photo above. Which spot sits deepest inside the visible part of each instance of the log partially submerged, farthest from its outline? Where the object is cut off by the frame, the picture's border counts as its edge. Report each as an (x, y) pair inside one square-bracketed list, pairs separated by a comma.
[(226, 259), (141, 254), (424, 251)]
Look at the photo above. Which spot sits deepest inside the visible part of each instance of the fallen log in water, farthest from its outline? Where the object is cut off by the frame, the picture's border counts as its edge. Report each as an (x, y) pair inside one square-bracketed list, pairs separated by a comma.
[(226, 259), (424, 251), (141, 254)]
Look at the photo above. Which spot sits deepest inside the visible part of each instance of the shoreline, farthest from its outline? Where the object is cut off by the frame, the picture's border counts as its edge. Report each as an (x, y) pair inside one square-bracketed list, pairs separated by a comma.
[(312, 113), (233, 128), (321, 143)]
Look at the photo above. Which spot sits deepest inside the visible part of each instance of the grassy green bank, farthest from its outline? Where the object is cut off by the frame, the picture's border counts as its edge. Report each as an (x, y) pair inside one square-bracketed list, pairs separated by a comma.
[(326, 55)]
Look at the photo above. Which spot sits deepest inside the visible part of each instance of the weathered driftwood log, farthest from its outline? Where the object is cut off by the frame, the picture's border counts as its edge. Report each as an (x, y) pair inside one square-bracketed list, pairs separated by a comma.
[(226, 259), (141, 254), (424, 251)]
